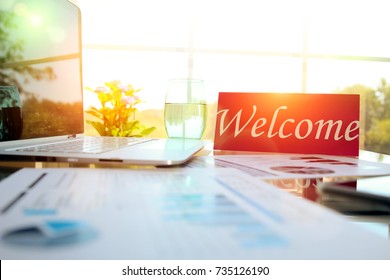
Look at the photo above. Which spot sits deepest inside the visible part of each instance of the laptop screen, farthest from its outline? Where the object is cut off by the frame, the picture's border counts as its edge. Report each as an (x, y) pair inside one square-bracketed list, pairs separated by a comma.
[(40, 69)]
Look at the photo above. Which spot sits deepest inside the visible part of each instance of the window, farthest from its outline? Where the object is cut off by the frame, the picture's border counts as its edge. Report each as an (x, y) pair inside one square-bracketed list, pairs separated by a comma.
[(248, 45)]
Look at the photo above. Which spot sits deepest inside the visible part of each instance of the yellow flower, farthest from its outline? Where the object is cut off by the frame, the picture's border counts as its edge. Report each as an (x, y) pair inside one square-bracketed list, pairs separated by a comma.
[(118, 117)]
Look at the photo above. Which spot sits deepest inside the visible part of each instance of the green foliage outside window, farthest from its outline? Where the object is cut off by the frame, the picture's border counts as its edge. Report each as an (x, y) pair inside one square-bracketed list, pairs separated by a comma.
[(374, 116)]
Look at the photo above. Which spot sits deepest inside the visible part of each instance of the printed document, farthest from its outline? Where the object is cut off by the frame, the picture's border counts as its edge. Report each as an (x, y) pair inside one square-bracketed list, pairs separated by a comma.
[(188, 213), (284, 166)]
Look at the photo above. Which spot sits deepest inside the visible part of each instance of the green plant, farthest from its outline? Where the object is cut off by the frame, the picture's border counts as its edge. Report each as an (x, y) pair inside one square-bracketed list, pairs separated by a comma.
[(117, 112)]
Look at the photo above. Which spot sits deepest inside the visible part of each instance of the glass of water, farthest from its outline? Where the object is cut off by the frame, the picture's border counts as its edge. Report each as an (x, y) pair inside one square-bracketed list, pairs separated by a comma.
[(185, 109)]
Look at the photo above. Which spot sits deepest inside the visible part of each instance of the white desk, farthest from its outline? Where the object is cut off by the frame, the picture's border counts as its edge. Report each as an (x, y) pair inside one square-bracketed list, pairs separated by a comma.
[(187, 226)]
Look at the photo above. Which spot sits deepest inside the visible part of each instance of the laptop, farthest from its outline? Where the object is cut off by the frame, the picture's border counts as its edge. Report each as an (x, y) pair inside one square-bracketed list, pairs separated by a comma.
[(41, 94)]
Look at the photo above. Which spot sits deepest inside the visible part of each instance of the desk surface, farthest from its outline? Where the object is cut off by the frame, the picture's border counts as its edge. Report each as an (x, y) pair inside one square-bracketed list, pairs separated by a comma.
[(301, 187)]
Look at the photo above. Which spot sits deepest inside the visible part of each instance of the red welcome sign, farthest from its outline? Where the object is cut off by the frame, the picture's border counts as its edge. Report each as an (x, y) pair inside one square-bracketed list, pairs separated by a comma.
[(288, 123)]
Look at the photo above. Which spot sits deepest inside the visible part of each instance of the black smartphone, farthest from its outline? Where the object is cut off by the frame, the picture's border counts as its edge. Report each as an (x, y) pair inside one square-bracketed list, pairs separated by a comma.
[(369, 196)]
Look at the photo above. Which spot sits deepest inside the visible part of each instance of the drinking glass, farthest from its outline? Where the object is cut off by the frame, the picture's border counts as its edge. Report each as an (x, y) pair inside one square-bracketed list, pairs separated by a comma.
[(185, 109)]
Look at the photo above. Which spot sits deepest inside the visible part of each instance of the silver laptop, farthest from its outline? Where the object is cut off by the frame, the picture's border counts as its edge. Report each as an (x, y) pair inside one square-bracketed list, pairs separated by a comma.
[(41, 94)]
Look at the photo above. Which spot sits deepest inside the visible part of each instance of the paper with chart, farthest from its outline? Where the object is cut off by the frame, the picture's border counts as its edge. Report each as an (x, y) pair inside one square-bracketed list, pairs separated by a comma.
[(192, 213), (280, 166)]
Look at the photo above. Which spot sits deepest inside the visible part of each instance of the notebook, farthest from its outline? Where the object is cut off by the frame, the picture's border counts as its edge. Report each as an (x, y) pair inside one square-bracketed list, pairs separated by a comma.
[(41, 94)]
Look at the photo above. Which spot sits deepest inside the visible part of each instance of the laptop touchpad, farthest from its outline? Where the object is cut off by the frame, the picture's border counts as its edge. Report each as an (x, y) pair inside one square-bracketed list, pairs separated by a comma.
[(170, 145)]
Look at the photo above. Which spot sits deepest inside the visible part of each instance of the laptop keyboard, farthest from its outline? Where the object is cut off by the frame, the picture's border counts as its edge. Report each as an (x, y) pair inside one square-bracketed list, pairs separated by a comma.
[(90, 145)]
